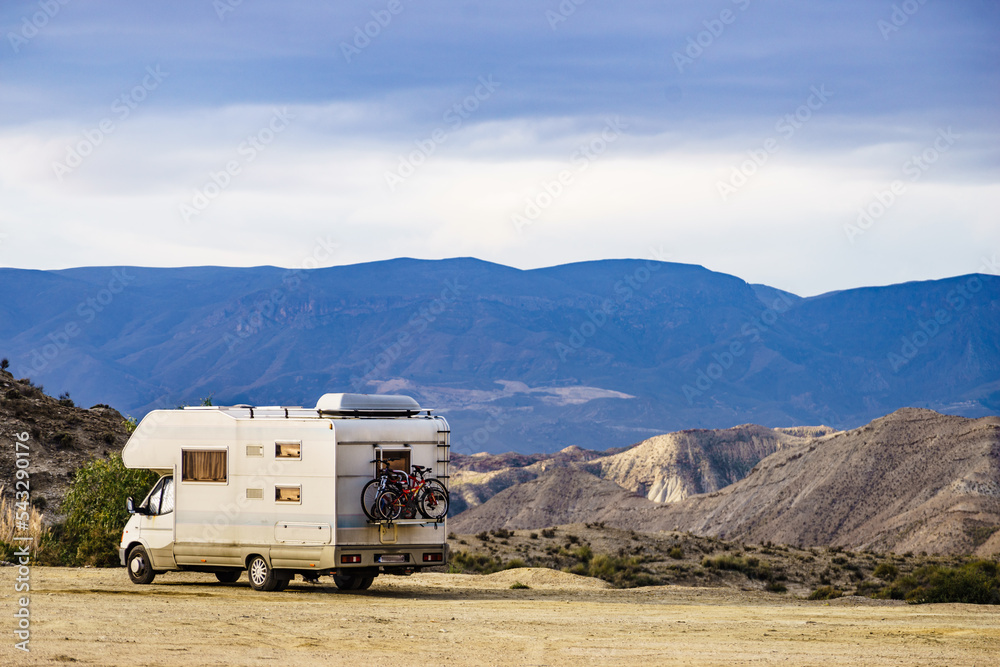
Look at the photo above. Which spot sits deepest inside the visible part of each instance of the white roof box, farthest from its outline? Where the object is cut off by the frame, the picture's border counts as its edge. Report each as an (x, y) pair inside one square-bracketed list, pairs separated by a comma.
[(367, 405)]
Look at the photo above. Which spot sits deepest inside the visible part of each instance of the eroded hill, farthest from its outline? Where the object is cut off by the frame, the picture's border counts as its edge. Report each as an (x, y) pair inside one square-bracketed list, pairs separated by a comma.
[(914, 480), (61, 438)]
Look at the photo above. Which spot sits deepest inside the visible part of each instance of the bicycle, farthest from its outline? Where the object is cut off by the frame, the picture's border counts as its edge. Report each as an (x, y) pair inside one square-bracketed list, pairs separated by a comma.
[(387, 478), (427, 496)]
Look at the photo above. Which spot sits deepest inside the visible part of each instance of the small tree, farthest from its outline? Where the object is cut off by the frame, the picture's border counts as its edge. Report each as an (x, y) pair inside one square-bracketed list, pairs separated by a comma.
[(95, 510), (4, 364)]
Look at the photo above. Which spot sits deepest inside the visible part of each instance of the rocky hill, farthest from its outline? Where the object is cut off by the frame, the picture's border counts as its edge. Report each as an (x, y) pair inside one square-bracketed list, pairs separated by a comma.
[(914, 480), (61, 438), (557, 496), (664, 468), (669, 468), (477, 478)]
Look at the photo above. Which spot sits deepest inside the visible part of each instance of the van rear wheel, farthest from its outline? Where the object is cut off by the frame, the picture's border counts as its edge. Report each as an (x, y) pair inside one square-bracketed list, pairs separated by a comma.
[(353, 581), (140, 569), (228, 577), (261, 575)]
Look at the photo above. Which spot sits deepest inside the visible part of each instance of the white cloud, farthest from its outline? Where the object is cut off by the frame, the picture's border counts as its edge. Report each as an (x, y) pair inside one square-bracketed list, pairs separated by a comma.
[(325, 176)]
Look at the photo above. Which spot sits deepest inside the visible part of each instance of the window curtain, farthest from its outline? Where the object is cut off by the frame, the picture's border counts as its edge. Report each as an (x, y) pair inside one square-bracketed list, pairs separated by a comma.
[(203, 466)]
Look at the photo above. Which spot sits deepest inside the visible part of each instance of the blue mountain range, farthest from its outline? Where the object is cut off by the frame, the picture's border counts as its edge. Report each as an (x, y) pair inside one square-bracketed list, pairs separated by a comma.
[(595, 354)]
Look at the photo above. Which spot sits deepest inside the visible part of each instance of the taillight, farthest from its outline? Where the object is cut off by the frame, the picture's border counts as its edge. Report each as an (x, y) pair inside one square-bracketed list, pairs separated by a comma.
[(433, 558), (350, 559)]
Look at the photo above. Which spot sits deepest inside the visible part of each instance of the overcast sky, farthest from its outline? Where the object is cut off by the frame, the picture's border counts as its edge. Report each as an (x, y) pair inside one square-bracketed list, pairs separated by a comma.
[(743, 135)]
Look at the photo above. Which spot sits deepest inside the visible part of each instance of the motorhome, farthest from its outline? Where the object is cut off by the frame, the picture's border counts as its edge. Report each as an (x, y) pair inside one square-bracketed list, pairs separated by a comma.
[(276, 491)]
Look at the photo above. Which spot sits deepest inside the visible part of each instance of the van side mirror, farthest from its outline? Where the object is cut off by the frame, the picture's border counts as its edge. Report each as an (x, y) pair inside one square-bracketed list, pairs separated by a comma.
[(130, 504)]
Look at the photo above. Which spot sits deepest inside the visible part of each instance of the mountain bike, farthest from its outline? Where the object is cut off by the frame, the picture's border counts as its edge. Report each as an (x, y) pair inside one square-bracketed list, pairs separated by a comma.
[(387, 478), (426, 496)]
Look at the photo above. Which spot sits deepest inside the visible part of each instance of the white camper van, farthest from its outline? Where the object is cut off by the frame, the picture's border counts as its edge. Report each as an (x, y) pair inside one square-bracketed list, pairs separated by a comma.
[(277, 491)]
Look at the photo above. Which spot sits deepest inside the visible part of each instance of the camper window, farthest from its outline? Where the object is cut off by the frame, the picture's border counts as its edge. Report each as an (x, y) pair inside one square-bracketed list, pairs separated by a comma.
[(202, 465), (161, 498), (288, 494), (398, 459), (288, 449)]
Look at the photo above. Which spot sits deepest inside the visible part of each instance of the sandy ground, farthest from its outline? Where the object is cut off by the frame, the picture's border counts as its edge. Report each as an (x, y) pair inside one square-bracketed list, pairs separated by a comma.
[(97, 617)]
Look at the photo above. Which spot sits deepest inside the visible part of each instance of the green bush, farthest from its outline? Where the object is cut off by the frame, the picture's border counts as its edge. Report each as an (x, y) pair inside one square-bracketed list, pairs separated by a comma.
[(886, 571), (775, 587), (977, 582), (676, 553), (463, 561), (517, 585), (826, 593), (96, 513), (752, 567)]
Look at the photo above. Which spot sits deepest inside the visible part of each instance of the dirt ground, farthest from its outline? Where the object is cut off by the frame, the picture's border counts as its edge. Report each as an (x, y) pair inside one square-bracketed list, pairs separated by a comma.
[(98, 617)]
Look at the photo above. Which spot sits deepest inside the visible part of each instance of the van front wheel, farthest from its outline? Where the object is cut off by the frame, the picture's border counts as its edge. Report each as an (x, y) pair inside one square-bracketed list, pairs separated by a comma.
[(261, 575), (140, 569)]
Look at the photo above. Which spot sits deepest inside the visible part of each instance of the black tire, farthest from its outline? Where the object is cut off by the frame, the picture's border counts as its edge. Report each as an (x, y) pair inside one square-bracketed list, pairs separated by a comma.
[(282, 584), (229, 576), (434, 503), (388, 506), (261, 575), (353, 581), (140, 568)]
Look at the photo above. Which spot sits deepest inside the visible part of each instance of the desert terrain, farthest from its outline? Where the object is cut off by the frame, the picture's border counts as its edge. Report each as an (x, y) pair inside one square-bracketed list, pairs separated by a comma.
[(97, 617)]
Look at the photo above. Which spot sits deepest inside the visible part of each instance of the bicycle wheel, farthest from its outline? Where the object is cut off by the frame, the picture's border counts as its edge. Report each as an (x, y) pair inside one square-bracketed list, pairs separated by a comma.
[(434, 503), (387, 505), (368, 495), (435, 483)]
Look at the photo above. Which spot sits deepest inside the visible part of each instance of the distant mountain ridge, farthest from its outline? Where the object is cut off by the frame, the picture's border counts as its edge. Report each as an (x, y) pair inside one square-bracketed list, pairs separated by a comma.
[(596, 354)]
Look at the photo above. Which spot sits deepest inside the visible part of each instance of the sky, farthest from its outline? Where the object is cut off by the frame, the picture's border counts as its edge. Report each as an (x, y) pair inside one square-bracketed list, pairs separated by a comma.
[(811, 146)]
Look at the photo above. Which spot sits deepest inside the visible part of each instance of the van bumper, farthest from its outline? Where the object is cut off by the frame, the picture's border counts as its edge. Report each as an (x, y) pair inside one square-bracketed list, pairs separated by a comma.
[(405, 555), (121, 555)]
